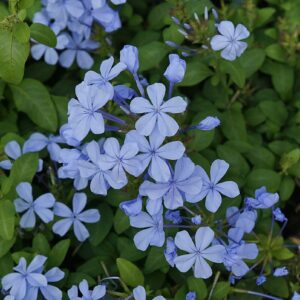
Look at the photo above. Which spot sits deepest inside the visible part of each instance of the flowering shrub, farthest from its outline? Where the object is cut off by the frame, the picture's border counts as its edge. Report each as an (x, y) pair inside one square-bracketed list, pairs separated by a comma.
[(112, 192)]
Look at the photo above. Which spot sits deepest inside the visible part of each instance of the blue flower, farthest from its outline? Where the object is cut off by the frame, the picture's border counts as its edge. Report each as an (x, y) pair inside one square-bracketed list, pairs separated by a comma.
[(244, 220), (154, 153), (198, 252), (38, 142), (139, 293), (191, 296), (13, 150), (50, 291), (176, 69), (208, 123), (120, 159), (196, 220), (279, 215), (262, 199), (106, 17), (71, 159), (183, 184), (62, 10), (212, 189), (296, 296), (41, 206), (229, 40), (77, 48), (261, 279), (107, 73), (83, 113), (155, 118), (75, 218), (98, 173), (170, 252), (153, 234), (97, 293), (236, 251), (280, 272), (19, 282), (173, 216), (132, 207), (130, 57)]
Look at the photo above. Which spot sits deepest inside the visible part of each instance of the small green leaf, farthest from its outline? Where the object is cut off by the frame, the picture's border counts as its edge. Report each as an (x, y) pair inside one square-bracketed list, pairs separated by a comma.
[(130, 273), (58, 253), (196, 72), (33, 98), (262, 177), (98, 231), (6, 265), (40, 244), (151, 55), (43, 34), (121, 222), (155, 260), (7, 219), (5, 246), (252, 60), (235, 70), (197, 285), (289, 159), (13, 55), (221, 290), (276, 52)]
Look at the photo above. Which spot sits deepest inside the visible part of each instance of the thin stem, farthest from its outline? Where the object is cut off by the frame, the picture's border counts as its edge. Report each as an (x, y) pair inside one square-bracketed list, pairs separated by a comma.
[(255, 294), (139, 85), (177, 226), (283, 226), (170, 90), (189, 211), (214, 284)]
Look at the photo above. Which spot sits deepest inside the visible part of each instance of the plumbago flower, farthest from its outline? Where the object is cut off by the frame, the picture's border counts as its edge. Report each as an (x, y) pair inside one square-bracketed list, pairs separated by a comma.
[(27, 281), (164, 185), (229, 40), (41, 206), (75, 218), (72, 22)]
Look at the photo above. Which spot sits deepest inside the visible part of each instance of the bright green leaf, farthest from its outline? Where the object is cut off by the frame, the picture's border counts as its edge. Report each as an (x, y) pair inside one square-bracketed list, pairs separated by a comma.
[(43, 34), (7, 219), (130, 273)]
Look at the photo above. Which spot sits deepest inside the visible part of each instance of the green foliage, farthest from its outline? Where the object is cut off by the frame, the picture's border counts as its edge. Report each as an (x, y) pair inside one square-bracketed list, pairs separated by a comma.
[(130, 273), (43, 34)]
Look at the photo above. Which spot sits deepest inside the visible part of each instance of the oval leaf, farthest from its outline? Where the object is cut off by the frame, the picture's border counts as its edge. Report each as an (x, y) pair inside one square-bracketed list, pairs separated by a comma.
[(43, 34)]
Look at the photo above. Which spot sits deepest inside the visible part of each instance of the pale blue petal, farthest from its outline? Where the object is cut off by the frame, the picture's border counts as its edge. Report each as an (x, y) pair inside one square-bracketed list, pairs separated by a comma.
[(13, 150), (62, 227)]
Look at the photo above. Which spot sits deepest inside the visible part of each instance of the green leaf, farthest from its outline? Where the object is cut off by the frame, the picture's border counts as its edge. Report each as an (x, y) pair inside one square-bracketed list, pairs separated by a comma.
[(277, 286), (43, 34), (58, 254), (289, 159), (158, 14), (7, 219), (13, 55), (22, 32), (196, 72), (276, 52), (264, 16), (252, 60), (262, 177), (287, 187), (151, 55), (171, 33), (128, 250), (283, 254), (23, 170), (261, 157), (221, 290), (121, 222), (40, 244), (6, 265), (233, 124), (283, 79), (98, 231), (155, 260), (235, 70), (32, 98), (197, 285), (276, 111), (5, 246), (130, 273)]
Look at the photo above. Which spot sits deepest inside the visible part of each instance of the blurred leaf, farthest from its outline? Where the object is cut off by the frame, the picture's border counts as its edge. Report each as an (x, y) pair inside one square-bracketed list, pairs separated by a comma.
[(40, 244), (235, 70), (130, 273), (7, 219), (121, 221), (155, 260), (157, 15), (58, 253), (251, 61), (33, 98), (197, 285), (277, 286), (13, 55), (221, 290), (43, 34)]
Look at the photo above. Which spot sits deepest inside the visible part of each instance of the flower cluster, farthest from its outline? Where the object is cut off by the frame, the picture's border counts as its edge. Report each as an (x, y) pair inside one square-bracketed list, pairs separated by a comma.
[(171, 191), (229, 38), (72, 22), (46, 207)]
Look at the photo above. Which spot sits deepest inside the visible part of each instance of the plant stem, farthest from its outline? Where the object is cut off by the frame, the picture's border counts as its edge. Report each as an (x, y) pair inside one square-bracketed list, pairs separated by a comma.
[(255, 294), (214, 284)]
